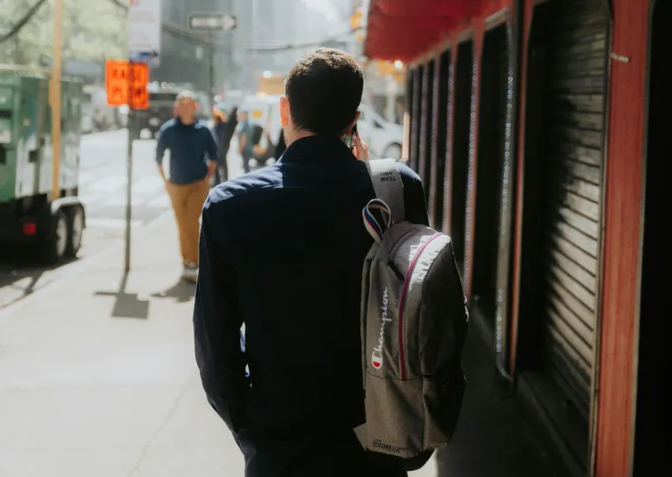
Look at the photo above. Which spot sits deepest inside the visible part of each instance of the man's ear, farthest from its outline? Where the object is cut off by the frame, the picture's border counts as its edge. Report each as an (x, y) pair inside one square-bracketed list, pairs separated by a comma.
[(284, 111)]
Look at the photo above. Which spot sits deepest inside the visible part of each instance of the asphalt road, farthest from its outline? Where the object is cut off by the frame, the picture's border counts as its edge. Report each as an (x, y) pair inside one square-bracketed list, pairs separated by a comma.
[(103, 192)]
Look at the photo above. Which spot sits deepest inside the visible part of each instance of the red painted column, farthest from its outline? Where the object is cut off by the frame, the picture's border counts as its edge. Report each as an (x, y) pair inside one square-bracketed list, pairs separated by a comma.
[(623, 202), (519, 194)]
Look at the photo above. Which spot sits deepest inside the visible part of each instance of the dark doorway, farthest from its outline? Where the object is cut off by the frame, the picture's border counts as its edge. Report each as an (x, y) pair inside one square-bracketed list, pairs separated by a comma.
[(441, 137), (652, 439), (417, 117), (464, 78), (409, 112), (493, 104)]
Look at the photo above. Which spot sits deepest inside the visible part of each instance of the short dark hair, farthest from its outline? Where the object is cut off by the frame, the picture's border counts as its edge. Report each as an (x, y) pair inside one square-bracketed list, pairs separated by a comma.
[(324, 89)]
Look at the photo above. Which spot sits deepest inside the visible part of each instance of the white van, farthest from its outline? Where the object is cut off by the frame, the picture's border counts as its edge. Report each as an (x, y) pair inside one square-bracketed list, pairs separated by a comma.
[(383, 138), (265, 112)]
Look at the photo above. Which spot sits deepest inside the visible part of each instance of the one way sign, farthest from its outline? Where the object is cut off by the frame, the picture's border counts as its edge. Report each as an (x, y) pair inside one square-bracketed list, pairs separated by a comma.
[(212, 21)]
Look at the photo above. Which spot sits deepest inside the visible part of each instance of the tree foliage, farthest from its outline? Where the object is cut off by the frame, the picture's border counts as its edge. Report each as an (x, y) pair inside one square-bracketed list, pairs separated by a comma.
[(93, 30)]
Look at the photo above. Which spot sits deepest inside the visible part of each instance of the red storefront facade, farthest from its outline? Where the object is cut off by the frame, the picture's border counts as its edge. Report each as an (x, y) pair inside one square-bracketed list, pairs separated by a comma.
[(530, 123)]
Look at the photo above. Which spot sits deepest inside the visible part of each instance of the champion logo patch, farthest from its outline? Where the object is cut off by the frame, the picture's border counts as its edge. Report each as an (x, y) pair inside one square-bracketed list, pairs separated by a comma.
[(377, 354), (376, 360)]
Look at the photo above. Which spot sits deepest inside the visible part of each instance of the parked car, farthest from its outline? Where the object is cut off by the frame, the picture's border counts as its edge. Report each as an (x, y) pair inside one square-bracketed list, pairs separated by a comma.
[(383, 138)]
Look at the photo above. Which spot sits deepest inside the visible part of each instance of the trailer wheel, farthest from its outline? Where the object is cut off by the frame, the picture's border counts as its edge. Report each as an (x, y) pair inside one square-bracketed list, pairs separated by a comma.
[(55, 247), (75, 231)]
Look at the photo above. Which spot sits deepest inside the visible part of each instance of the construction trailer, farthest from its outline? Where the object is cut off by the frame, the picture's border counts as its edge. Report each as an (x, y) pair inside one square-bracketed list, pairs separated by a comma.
[(36, 211)]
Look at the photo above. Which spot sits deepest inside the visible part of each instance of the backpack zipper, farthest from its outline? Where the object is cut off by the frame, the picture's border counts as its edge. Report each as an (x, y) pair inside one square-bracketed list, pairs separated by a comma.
[(402, 304)]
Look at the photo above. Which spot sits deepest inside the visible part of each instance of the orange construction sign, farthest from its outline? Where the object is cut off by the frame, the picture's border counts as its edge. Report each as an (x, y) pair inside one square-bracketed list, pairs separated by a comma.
[(118, 84)]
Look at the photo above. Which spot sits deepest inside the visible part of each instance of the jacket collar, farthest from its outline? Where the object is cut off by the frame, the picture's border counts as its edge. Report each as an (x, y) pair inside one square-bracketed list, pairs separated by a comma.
[(319, 147)]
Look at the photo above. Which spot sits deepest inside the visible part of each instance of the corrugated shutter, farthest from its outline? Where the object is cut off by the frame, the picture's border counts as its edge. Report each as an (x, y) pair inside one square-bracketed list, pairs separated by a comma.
[(461, 148), (576, 82), (443, 110), (494, 105), (426, 128)]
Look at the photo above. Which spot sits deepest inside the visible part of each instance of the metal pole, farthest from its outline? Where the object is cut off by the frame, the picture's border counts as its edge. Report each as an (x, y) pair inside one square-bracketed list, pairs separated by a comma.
[(212, 64), (55, 100), (129, 168)]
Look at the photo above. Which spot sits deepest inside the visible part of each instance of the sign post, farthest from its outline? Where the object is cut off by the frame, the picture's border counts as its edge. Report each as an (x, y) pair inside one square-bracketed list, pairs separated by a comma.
[(126, 84), (144, 31), (55, 102), (210, 23)]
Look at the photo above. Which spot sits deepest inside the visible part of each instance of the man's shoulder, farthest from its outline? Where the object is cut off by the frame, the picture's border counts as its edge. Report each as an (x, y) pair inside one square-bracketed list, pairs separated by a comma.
[(232, 190), (408, 174), (409, 177), (168, 125), (201, 124)]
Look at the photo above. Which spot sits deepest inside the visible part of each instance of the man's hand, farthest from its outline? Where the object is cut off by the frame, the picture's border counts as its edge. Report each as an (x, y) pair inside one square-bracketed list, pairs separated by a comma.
[(361, 150)]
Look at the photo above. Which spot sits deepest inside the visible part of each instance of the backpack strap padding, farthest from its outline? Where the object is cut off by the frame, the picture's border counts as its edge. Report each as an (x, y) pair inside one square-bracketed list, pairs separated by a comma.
[(388, 186)]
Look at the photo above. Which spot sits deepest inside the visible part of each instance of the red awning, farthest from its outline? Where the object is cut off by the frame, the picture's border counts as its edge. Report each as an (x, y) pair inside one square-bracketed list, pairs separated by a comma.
[(403, 29)]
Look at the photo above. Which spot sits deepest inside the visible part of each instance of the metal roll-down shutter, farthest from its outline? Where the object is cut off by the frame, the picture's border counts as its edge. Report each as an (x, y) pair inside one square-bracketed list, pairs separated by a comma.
[(494, 105), (575, 88)]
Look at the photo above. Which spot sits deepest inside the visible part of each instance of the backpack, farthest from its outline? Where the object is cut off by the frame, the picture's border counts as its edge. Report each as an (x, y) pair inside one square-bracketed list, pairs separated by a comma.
[(413, 326)]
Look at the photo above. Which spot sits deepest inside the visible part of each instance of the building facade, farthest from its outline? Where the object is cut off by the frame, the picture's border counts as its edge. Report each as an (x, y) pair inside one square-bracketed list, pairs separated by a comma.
[(537, 128)]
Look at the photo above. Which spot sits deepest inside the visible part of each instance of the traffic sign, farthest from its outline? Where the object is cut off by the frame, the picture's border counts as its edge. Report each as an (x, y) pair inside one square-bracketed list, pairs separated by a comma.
[(149, 57), (144, 31), (212, 21), (118, 84)]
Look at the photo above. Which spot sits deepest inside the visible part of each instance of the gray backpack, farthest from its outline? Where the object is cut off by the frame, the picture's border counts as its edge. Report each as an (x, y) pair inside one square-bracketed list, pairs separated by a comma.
[(413, 325)]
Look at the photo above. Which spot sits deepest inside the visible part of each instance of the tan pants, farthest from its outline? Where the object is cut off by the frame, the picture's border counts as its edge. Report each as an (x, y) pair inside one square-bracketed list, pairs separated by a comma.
[(187, 200)]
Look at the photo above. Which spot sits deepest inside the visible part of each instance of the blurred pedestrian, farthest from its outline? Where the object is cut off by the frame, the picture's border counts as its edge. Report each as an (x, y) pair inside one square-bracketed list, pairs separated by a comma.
[(271, 149), (224, 128), (280, 145), (245, 132), (193, 159), (282, 251)]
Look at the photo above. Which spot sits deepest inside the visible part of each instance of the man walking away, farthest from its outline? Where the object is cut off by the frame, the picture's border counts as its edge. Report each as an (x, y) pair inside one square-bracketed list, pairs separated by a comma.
[(193, 158), (291, 271), (245, 139)]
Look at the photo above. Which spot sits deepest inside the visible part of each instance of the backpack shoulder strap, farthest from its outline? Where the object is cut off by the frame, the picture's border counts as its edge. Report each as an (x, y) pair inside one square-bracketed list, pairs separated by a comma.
[(388, 186)]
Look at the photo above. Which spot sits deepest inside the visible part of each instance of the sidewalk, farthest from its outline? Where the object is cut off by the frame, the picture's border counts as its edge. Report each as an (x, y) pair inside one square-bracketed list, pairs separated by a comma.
[(94, 382), (493, 438), (97, 378)]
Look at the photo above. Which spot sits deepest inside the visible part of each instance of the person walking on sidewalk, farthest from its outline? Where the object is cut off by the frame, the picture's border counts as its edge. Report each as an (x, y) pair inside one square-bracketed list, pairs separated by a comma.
[(282, 251), (193, 159), (225, 126), (244, 131)]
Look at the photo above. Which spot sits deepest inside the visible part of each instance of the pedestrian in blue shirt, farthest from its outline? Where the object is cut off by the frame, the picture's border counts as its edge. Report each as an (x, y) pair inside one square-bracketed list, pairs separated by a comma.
[(193, 159), (282, 250)]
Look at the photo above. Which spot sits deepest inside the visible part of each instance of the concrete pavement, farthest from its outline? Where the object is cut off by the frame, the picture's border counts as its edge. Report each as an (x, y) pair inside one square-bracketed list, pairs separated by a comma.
[(97, 375), (99, 380)]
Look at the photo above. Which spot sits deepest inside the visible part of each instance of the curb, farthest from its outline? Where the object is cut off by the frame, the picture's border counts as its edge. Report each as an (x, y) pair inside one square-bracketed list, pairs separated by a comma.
[(6, 310)]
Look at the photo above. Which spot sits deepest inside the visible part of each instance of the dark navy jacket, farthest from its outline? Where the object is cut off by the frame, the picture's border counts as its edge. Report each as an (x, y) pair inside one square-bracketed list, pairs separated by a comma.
[(189, 146), (282, 251)]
